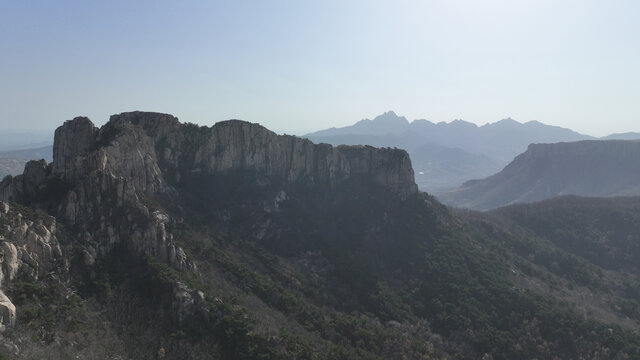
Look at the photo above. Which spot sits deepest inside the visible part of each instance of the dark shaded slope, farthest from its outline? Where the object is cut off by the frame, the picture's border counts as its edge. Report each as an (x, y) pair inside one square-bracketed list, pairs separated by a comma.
[(321, 257), (605, 231)]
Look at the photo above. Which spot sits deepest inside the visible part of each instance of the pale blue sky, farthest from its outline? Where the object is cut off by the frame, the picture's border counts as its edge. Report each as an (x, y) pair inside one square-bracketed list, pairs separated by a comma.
[(307, 65)]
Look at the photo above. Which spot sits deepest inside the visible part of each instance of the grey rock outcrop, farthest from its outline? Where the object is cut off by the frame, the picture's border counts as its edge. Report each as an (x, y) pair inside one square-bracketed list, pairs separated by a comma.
[(239, 145), (28, 250), (7, 312), (187, 302), (71, 141), (109, 173)]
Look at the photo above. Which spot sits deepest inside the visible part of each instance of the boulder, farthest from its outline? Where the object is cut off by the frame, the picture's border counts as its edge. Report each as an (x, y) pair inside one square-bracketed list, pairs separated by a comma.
[(7, 311)]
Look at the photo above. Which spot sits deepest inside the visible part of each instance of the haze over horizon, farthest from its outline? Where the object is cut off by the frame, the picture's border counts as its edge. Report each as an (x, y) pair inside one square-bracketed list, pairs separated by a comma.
[(299, 67)]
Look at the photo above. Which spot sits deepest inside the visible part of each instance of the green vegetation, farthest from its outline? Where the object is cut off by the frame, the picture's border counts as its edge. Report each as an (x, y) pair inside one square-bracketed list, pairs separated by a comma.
[(47, 306), (318, 277), (376, 275)]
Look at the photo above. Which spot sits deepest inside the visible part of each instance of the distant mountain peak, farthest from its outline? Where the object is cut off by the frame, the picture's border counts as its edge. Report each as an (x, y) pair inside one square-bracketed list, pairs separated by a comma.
[(623, 136), (384, 124), (507, 121), (390, 116), (459, 122)]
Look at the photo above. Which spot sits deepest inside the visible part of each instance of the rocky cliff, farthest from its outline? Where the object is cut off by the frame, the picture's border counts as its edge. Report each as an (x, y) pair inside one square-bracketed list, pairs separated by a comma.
[(586, 168), (29, 250), (104, 182), (103, 175)]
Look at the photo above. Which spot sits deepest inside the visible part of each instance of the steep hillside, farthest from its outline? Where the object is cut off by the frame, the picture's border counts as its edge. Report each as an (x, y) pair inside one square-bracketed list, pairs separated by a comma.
[(586, 168), (231, 242), (605, 231)]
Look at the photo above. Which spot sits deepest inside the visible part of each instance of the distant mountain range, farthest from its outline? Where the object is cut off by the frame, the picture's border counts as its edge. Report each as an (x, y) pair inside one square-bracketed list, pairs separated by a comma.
[(444, 155), (601, 168)]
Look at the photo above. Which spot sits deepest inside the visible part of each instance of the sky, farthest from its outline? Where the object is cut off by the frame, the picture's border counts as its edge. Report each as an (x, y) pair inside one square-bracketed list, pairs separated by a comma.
[(297, 66)]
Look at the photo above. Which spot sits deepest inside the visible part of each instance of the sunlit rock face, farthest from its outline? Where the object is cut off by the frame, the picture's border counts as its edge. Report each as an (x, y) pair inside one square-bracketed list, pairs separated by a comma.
[(238, 145), (29, 250)]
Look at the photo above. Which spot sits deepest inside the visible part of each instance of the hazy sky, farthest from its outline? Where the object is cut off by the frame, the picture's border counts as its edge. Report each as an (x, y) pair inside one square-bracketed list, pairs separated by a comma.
[(307, 65)]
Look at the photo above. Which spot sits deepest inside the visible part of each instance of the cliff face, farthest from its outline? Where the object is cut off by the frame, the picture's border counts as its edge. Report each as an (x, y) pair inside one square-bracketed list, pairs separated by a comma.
[(237, 145), (104, 185), (586, 168), (29, 250), (156, 150), (107, 172), (102, 182)]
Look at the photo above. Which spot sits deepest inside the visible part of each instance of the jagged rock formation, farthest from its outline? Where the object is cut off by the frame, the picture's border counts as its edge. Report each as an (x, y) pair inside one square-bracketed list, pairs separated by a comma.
[(28, 251), (108, 172), (586, 168), (101, 183), (238, 145)]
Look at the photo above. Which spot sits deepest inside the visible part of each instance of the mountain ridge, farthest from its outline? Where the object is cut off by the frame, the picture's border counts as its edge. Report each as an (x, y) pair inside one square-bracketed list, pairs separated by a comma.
[(588, 168), (462, 141), (231, 242)]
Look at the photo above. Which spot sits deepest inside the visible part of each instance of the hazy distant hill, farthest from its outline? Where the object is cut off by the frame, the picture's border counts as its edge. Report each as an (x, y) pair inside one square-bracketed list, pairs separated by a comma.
[(11, 166), (24, 139), (19, 146), (588, 168), (12, 162), (44, 152), (387, 123), (437, 168), (449, 153), (622, 136)]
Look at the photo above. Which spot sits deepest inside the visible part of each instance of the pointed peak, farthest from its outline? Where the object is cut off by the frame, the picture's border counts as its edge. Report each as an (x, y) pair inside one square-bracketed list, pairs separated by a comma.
[(508, 120), (462, 123), (391, 116), (504, 122)]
